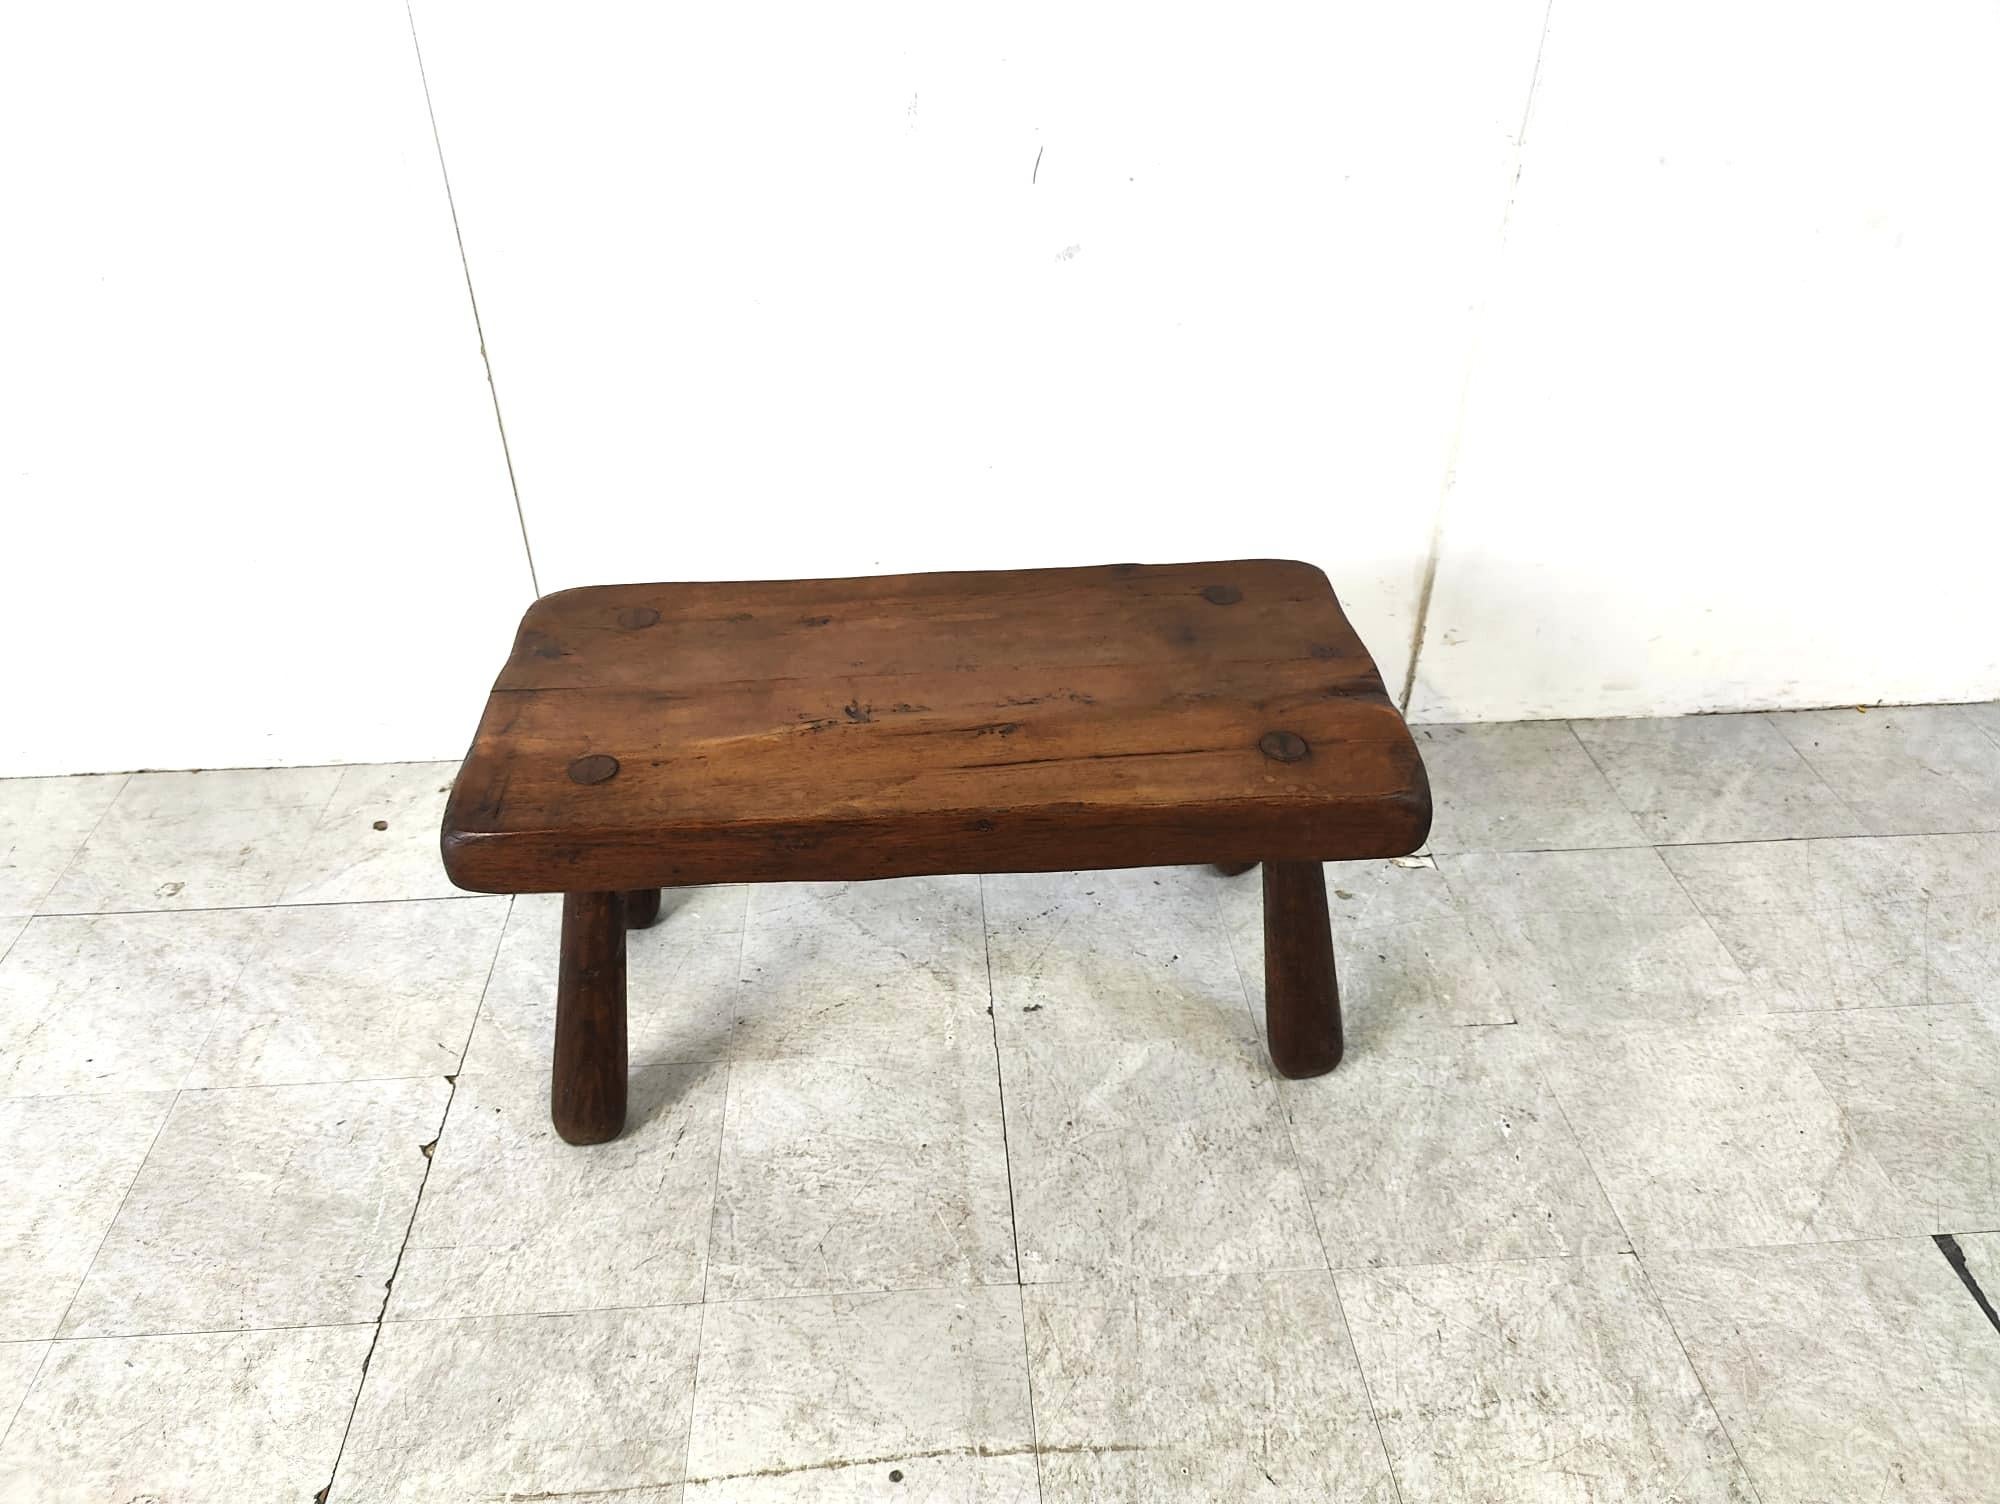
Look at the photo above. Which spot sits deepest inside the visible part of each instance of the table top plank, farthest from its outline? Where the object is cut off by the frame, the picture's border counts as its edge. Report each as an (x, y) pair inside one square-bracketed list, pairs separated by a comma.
[(931, 723), (663, 636)]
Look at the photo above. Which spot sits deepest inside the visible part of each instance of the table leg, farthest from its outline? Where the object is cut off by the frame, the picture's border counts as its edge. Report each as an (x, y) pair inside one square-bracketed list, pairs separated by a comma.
[(642, 908), (587, 1088), (1301, 993)]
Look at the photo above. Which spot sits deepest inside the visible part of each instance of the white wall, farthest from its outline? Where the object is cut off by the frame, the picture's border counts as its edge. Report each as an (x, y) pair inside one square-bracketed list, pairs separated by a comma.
[(1698, 378), (1731, 437), (253, 508), (773, 298)]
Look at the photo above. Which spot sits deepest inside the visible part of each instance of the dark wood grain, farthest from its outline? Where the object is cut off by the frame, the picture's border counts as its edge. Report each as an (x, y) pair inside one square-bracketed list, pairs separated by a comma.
[(587, 1087), (1128, 715), (1301, 993)]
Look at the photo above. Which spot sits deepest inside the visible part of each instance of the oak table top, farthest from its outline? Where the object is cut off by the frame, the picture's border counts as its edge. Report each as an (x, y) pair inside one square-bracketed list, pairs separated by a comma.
[(1125, 715)]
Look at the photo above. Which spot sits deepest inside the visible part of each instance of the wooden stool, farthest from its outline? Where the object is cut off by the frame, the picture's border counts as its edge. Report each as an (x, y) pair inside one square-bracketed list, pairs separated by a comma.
[(644, 736)]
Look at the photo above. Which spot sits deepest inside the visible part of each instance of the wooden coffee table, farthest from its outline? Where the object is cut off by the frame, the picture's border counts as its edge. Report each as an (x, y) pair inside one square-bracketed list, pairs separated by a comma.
[(649, 736)]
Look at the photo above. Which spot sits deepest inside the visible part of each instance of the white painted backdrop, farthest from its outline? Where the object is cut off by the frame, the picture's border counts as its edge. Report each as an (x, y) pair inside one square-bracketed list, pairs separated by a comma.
[(1668, 333)]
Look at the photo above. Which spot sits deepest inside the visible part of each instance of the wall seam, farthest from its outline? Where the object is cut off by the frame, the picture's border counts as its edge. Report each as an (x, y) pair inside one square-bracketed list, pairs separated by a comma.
[(1420, 629), (472, 297)]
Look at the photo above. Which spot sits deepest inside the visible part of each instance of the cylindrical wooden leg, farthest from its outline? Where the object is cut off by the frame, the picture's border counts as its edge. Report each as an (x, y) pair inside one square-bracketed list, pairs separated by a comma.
[(587, 1090), (642, 908), (1301, 995)]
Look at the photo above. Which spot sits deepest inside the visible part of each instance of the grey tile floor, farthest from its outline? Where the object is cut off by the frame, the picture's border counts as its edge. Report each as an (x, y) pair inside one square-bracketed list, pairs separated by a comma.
[(1673, 1077)]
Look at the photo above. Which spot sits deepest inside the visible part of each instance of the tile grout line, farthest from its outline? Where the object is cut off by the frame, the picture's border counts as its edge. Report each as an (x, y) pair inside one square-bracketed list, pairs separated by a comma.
[(125, 782), (1707, 922), (999, 1076), (319, 824), (250, 908), (1083, 1281), (217, 1016), (1333, 1282), (1433, 852), (1839, 1108), (1243, 982), (694, 1379), (1764, 716), (1646, 1276), (1762, 994), (98, 1252), (429, 1151), (1632, 1248), (714, 1208), (1979, 734), (203, 770), (1477, 1263), (1028, 1374), (1992, 736), (1007, 1159), (15, 939), (472, 298), (1767, 1013), (451, 763), (219, 1331), (1367, 1389), (1278, 1099), (1305, 1190), (708, 1253), (1761, 716), (48, 1351), (479, 1011), (1605, 779), (1596, 1177), (1706, 1248), (388, 1291), (85, 1096), (1643, 841)]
